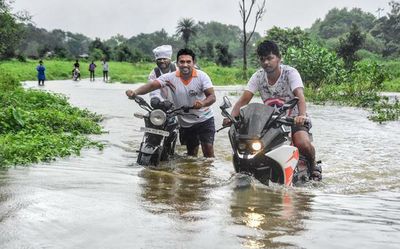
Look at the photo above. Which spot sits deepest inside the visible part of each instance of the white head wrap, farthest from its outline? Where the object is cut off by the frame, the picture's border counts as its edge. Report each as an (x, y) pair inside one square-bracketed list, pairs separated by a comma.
[(163, 51)]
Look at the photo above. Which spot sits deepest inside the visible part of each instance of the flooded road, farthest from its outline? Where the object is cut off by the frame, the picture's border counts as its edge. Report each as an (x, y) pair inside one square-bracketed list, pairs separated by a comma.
[(103, 199)]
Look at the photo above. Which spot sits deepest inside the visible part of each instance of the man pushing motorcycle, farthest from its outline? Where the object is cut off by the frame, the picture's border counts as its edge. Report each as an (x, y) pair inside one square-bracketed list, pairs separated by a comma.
[(278, 83), (189, 87)]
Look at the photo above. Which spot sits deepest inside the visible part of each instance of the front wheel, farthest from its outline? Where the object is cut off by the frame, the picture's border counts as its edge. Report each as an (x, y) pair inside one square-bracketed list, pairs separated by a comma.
[(156, 157), (144, 159), (149, 159)]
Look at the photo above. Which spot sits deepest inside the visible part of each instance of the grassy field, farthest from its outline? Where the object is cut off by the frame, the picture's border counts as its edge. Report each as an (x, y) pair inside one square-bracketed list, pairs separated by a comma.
[(393, 83), (123, 72), (59, 69)]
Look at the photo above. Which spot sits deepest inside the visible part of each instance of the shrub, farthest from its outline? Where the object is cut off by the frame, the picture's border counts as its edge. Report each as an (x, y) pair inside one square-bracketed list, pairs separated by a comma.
[(316, 65)]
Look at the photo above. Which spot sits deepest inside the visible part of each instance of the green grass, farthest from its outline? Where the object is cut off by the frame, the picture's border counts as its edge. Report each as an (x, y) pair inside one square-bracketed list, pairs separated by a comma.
[(393, 83), (55, 69), (123, 72)]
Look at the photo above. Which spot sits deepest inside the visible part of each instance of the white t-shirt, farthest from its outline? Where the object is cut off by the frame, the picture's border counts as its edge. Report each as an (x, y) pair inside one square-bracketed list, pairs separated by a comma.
[(105, 66), (185, 93), (163, 93), (281, 91)]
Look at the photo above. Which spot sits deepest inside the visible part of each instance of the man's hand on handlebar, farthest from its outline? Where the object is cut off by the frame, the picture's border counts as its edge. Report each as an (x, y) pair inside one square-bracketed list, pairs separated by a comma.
[(197, 104), (226, 122), (300, 120), (131, 94)]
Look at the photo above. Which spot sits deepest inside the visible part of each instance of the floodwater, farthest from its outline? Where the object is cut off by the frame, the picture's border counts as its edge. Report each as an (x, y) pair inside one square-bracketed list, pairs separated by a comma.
[(103, 199)]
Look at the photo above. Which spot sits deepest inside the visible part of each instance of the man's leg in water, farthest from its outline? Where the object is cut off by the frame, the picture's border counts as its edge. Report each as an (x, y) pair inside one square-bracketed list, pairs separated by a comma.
[(203, 133), (301, 140), (206, 134)]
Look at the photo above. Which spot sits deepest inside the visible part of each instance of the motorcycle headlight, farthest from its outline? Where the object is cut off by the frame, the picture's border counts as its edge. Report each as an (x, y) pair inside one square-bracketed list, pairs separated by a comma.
[(256, 145), (158, 117)]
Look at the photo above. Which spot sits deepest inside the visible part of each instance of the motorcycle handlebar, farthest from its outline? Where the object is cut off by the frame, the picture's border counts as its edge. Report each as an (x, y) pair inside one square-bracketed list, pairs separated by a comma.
[(143, 103), (185, 110), (138, 99), (290, 121)]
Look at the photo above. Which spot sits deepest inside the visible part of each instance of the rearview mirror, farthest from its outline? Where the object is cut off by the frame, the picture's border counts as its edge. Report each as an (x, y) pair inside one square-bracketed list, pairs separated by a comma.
[(226, 103)]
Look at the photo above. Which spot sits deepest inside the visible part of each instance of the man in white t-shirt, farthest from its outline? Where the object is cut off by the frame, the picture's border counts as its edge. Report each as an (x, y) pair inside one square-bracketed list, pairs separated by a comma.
[(105, 70), (278, 83), (189, 87), (162, 56)]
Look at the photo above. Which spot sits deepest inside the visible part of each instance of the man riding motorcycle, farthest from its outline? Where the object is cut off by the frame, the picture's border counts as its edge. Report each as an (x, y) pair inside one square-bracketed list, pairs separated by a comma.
[(278, 83)]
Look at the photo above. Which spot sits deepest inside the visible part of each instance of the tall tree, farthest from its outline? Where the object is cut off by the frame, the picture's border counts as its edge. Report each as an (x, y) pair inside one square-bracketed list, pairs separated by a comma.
[(245, 13), (98, 44), (338, 22), (223, 57), (11, 29), (186, 29), (287, 37), (387, 28), (349, 45)]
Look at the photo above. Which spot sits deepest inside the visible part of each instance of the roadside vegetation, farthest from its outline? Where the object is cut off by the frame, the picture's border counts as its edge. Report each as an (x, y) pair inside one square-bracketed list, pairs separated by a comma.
[(37, 126)]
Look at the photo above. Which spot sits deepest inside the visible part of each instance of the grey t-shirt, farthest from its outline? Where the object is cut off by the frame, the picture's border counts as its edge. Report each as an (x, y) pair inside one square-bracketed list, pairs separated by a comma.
[(185, 93), (281, 91)]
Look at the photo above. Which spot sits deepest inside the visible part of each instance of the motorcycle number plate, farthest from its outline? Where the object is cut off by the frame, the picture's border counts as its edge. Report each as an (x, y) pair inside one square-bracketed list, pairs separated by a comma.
[(155, 131)]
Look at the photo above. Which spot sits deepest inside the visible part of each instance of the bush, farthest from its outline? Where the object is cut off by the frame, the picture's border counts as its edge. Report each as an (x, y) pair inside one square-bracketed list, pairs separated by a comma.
[(21, 58), (370, 72), (223, 57), (8, 83), (316, 65), (362, 89), (38, 126)]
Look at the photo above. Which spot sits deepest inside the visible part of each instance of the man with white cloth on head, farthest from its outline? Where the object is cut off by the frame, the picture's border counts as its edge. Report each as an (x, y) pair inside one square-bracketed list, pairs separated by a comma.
[(162, 56)]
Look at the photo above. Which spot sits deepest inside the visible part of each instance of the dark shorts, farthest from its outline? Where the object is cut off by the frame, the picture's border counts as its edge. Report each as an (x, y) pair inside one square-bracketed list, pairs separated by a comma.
[(203, 133)]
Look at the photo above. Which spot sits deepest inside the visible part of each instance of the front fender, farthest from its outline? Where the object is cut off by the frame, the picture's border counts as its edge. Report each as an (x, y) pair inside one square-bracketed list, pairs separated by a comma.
[(147, 148)]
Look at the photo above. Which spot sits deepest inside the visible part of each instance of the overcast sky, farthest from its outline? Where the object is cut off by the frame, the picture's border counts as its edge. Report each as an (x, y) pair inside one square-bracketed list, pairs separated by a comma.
[(105, 18)]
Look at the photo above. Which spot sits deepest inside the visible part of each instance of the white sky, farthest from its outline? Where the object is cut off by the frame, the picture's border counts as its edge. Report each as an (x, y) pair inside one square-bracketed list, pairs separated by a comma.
[(105, 18)]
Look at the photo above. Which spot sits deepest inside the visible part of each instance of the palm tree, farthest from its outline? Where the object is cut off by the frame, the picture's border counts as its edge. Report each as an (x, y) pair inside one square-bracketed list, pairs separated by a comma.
[(186, 28)]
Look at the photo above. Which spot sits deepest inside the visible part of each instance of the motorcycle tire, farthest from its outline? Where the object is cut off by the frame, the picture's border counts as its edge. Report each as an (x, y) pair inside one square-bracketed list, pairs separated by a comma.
[(165, 154), (144, 159), (156, 158), (168, 150)]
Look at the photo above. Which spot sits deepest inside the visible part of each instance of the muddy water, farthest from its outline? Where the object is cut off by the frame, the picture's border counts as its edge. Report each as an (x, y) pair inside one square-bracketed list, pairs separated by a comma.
[(103, 199)]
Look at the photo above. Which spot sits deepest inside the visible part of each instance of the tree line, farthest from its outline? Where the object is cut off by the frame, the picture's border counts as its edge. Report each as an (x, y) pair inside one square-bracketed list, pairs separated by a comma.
[(352, 34)]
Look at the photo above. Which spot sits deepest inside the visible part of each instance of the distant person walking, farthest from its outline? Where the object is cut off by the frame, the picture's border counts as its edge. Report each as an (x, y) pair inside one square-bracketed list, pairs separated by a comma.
[(41, 75), (105, 70), (92, 67)]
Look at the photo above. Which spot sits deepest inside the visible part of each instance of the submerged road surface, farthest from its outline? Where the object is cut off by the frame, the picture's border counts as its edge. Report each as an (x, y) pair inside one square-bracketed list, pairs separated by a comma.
[(103, 199)]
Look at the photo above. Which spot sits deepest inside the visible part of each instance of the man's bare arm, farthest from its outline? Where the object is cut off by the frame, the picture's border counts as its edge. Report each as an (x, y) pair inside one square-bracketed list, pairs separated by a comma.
[(149, 87)]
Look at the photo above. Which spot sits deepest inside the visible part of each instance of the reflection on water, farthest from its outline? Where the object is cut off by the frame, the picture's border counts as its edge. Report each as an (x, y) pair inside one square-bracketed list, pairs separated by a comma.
[(103, 199), (177, 188), (268, 213)]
